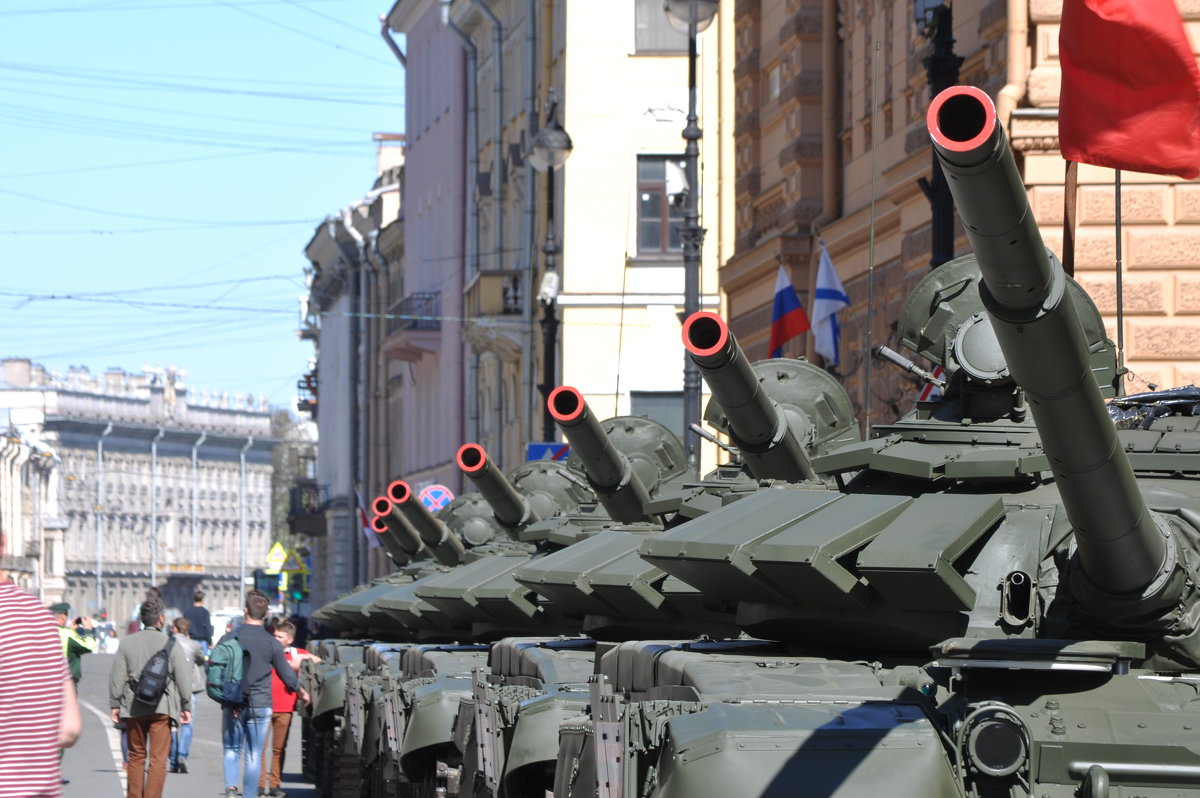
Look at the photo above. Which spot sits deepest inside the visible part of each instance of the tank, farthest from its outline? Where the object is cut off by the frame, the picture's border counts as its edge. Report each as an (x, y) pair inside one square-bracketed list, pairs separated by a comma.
[(386, 708), (994, 595), (524, 602), (998, 597)]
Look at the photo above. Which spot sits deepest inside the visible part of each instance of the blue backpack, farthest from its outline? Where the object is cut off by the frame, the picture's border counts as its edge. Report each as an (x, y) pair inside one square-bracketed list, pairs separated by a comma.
[(224, 675)]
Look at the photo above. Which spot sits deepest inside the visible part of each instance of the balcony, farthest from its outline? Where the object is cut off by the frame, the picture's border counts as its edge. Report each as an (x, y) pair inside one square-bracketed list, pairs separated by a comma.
[(495, 292), (306, 394), (306, 508), (414, 326)]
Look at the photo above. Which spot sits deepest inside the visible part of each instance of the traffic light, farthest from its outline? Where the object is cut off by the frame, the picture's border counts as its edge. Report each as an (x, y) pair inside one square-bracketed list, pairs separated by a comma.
[(297, 589)]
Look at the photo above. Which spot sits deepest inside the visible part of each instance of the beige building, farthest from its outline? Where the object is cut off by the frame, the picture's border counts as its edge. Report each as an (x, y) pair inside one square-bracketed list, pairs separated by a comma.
[(831, 139), (114, 482), (617, 74)]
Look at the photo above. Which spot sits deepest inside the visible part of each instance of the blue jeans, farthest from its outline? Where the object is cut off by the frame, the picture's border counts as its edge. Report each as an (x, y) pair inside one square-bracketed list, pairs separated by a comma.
[(246, 730), (181, 738)]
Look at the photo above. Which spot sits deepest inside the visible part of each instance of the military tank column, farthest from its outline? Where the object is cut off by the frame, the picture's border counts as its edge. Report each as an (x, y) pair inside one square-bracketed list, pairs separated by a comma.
[(994, 595)]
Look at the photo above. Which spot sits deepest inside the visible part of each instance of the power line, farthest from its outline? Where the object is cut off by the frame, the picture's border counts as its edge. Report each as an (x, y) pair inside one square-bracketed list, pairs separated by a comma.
[(223, 283), (189, 159), (105, 8), (305, 34), (335, 20), (167, 85), (72, 206), (158, 109)]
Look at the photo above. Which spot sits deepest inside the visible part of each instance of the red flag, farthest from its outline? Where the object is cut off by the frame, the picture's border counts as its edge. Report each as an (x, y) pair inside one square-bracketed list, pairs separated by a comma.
[(1130, 96)]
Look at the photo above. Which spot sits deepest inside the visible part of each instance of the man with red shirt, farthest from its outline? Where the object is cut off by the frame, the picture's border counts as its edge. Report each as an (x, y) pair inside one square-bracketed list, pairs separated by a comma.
[(39, 715), (283, 704)]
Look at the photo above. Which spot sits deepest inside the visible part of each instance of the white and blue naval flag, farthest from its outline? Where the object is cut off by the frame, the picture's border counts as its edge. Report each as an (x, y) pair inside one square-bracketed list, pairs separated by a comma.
[(828, 299)]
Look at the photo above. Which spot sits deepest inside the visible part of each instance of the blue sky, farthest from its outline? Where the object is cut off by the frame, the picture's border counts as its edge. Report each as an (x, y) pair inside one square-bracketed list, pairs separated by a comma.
[(163, 164)]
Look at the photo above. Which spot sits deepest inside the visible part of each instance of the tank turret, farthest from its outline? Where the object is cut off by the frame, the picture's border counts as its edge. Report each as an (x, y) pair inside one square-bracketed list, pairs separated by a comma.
[(510, 507), (773, 437), (437, 537), (1127, 555), (400, 540), (619, 484)]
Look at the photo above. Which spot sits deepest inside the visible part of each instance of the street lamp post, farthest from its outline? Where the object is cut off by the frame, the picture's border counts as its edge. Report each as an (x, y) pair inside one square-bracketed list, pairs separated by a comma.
[(936, 21), (692, 17), (551, 148)]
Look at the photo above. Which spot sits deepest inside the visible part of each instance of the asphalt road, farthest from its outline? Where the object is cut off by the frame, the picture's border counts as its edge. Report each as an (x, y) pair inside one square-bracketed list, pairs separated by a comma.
[(93, 766)]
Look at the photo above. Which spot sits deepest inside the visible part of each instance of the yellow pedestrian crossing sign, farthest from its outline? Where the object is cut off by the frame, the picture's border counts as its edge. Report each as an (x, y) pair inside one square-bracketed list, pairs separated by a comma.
[(276, 557), (293, 564)]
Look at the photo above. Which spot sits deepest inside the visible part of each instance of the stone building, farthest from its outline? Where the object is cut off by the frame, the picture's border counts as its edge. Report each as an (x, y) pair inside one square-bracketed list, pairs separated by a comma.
[(831, 142), (114, 482)]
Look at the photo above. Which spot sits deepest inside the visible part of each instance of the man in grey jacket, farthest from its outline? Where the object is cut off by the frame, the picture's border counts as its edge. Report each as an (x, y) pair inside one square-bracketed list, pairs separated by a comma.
[(149, 727)]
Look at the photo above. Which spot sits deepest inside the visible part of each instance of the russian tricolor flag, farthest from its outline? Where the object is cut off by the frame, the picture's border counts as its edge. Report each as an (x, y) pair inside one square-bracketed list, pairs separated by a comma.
[(788, 318)]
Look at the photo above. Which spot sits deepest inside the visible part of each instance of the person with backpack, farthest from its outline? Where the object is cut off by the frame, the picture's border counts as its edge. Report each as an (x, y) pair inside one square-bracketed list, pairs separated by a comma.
[(150, 689), (246, 717), (181, 738)]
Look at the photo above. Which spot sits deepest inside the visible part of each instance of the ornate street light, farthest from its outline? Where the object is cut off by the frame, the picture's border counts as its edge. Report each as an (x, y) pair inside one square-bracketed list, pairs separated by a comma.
[(551, 148), (935, 20), (691, 16), (684, 13)]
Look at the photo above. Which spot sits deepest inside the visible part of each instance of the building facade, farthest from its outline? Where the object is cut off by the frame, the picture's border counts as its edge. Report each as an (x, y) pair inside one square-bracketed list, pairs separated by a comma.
[(116, 482), (832, 145), (351, 290), (430, 411)]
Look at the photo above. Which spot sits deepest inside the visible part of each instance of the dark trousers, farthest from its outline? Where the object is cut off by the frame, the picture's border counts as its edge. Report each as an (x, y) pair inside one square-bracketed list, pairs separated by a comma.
[(276, 747), (149, 741)]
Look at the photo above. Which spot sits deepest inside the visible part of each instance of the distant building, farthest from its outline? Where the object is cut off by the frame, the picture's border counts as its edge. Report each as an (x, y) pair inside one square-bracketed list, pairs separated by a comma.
[(111, 483)]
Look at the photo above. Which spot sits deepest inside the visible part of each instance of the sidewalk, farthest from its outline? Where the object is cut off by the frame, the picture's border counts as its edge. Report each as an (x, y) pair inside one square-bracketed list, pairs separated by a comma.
[(94, 764)]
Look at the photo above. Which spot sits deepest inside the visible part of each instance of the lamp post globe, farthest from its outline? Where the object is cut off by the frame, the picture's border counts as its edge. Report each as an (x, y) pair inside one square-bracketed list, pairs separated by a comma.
[(551, 147), (691, 16), (683, 13)]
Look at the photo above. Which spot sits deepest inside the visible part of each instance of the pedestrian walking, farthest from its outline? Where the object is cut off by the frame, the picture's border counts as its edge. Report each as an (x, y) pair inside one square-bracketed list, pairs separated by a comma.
[(244, 727), (201, 621), (283, 704), (181, 738), (39, 713), (77, 639), (149, 726)]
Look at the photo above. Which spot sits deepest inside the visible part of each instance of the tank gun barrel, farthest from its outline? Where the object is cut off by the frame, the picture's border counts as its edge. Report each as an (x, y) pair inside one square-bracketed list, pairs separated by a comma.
[(510, 507), (437, 537), (1121, 546), (759, 426), (609, 471), (401, 542)]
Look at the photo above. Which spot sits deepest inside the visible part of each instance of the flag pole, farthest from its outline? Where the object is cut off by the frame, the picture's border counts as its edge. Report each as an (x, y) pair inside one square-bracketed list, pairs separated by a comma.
[(866, 433), (1119, 269), (1070, 197)]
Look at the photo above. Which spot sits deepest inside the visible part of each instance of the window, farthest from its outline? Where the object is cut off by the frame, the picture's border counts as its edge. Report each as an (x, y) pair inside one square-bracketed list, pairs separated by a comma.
[(652, 32), (773, 80), (665, 407), (660, 221)]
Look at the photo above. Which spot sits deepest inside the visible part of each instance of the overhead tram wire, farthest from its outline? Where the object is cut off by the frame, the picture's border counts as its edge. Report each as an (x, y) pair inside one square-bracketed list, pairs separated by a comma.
[(304, 34), (160, 85), (92, 74), (142, 217), (174, 112), (143, 6), (134, 130)]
